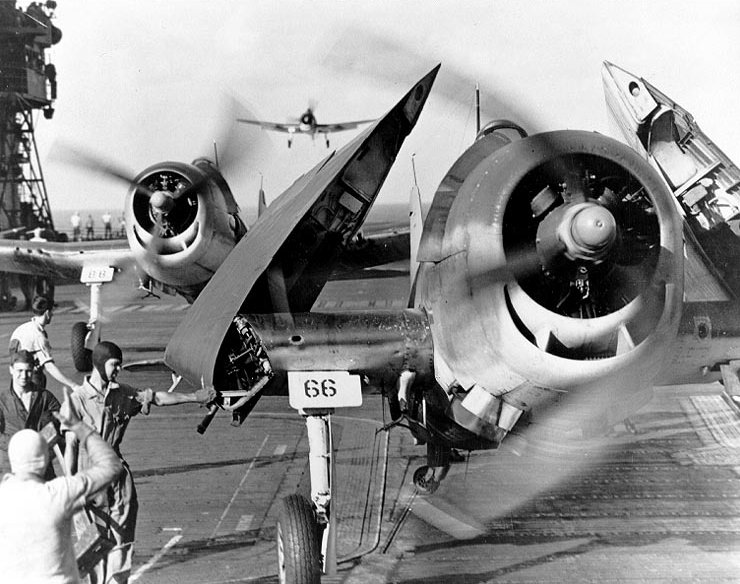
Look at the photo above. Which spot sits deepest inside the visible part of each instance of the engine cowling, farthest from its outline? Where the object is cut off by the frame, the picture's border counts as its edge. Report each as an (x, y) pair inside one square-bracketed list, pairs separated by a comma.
[(589, 319), (181, 222)]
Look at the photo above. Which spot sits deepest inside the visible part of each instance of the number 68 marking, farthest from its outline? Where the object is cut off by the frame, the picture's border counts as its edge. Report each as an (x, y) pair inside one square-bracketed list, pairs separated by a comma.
[(314, 388)]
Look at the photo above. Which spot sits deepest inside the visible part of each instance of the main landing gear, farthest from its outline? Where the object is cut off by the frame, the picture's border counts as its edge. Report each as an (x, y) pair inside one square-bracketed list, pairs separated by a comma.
[(85, 335), (306, 531)]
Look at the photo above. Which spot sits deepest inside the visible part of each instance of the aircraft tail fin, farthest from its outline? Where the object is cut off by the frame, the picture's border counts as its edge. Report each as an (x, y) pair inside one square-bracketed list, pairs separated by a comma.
[(416, 224)]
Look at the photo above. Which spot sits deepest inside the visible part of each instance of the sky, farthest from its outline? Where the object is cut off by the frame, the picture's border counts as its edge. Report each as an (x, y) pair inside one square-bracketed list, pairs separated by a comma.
[(143, 81)]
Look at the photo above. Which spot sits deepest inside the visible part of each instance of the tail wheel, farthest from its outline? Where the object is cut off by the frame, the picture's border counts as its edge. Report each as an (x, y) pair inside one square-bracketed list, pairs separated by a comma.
[(298, 545), (424, 480), (81, 356)]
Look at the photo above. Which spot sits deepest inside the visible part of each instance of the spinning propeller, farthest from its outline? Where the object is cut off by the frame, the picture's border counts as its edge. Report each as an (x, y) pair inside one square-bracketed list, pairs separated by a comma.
[(165, 197), (381, 58)]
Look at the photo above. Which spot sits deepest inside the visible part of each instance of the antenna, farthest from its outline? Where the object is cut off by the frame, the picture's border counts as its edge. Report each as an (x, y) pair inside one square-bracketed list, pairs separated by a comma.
[(215, 153), (477, 109), (261, 203), (413, 168)]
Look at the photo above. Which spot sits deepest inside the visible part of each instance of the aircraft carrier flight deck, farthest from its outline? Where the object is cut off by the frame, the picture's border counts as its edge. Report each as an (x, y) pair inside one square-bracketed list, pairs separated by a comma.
[(657, 500)]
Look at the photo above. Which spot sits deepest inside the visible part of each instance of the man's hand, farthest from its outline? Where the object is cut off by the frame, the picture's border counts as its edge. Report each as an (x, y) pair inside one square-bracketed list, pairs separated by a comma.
[(51, 435), (67, 414), (206, 395)]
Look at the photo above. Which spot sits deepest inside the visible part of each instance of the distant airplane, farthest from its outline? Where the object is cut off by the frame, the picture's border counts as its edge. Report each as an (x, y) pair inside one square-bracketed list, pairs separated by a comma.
[(307, 124)]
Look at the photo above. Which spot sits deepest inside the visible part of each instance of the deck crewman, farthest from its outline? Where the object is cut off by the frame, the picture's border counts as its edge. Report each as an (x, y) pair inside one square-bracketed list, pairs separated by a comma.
[(31, 336), (24, 406), (108, 406)]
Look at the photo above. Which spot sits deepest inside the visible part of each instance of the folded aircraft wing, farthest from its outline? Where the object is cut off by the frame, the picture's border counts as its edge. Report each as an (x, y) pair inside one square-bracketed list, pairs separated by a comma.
[(61, 261), (702, 178), (276, 126), (285, 259), (338, 127)]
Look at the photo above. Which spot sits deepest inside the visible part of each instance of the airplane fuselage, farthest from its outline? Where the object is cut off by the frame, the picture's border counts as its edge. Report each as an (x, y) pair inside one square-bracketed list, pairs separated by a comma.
[(307, 123)]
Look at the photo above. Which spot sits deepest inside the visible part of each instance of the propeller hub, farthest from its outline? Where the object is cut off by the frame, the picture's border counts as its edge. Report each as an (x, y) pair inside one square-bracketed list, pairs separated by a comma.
[(162, 201), (591, 233)]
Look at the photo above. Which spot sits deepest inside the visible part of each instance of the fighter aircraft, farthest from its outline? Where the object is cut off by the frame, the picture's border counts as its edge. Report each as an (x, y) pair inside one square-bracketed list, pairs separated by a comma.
[(549, 298), (182, 221), (306, 124)]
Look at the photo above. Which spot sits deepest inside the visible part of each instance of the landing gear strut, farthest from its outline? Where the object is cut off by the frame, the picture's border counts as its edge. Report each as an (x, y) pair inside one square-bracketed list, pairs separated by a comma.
[(306, 531), (86, 335)]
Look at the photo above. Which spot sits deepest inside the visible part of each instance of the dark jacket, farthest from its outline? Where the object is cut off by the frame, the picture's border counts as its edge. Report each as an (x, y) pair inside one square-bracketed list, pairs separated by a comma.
[(14, 417)]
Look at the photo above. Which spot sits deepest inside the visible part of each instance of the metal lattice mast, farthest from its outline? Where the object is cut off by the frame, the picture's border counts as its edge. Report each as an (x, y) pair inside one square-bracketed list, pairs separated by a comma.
[(23, 197), (27, 87)]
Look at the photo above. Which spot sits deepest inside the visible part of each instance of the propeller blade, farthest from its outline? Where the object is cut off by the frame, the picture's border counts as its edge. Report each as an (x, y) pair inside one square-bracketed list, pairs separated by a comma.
[(520, 264), (76, 156), (531, 462), (380, 57)]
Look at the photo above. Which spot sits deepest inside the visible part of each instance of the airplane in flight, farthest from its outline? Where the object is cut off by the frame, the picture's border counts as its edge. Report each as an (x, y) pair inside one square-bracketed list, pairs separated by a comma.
[(557, 283), (306, 124)]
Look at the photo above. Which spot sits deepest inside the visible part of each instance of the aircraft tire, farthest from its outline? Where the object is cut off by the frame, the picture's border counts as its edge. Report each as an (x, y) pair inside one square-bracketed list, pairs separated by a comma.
[(81, 356), (298, 545), (425, 485)]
